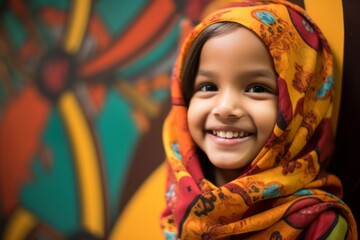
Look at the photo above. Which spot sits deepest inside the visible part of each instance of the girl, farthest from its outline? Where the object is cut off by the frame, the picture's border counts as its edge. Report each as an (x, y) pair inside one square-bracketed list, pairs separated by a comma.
[(248, 137)]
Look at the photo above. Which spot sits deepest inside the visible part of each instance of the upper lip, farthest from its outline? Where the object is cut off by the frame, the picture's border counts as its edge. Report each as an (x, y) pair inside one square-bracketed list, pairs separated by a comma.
[(228, 129)]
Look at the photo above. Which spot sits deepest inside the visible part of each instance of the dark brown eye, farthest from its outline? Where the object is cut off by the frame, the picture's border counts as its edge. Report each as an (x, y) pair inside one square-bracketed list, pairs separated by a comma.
[(258, 89), (207, 87)]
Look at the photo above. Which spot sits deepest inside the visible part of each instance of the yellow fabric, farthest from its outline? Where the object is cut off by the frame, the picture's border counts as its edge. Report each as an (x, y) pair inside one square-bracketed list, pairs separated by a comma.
[(335, 33), (286, 187)]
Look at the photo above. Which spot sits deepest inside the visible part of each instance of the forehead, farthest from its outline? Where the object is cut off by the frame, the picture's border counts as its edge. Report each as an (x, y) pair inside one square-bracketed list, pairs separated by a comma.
[(239, 46)]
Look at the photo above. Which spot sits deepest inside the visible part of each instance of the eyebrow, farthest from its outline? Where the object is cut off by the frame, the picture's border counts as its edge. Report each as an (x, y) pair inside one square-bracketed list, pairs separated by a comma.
[(250, 73), (204, 73)]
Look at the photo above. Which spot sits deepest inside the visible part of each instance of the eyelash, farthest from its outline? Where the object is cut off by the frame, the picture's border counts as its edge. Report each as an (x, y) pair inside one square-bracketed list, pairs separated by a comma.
[(260, 89), (202, 87), (257, 88)]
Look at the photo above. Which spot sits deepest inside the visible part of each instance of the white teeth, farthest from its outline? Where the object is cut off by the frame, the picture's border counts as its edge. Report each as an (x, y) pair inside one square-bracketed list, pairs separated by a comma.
[(229, 134), (221, 134)]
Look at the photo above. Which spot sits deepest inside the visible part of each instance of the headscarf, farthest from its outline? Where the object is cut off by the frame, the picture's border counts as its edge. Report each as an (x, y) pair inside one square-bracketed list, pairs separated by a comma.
[(285, 193)]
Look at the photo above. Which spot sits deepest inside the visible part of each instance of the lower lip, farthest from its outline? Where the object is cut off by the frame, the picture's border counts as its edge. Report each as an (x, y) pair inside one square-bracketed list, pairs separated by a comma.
[(228, 141)]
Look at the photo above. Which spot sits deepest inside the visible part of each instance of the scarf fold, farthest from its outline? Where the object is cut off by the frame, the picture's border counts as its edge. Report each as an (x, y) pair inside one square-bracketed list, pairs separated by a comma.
[(286, 192)]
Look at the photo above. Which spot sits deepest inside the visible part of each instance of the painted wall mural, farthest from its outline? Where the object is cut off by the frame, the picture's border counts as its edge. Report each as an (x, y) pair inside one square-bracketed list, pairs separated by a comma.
[(83, 94)]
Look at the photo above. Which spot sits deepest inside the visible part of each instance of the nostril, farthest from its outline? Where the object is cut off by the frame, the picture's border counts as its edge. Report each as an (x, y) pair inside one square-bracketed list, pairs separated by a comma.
[(227, 110), (226, 116)]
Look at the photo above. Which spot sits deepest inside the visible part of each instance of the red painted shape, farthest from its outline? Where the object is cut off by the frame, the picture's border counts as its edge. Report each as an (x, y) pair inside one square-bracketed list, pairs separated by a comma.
[(20, 134)]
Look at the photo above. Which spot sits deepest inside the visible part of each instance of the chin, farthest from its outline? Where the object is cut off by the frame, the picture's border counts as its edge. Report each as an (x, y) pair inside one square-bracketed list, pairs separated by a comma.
[(228, 162), (228, 166)]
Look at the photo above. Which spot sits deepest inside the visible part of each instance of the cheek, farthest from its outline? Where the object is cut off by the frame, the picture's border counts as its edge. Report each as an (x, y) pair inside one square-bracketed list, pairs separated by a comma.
[(195, 117), (266, 118), (191, 119)]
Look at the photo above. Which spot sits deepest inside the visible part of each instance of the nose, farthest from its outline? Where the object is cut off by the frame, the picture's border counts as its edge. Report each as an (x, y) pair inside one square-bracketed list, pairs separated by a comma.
[(228, 106)]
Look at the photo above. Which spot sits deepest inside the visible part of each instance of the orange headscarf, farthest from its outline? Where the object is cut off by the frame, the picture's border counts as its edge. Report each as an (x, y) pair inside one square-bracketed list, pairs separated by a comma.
[(285, 193)]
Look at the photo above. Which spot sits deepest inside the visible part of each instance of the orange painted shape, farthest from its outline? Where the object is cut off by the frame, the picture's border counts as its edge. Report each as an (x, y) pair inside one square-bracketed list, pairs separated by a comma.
[(52, 16), (161, 81), (142, 87), (139, 33), (186, 28), (28, 50), (141, 121), (21, 127), (21, 10), (99, 32), (97, 93)]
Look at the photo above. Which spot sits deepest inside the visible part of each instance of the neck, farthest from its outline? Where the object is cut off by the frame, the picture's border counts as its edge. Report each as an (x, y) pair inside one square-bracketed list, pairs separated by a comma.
[(223, 176)]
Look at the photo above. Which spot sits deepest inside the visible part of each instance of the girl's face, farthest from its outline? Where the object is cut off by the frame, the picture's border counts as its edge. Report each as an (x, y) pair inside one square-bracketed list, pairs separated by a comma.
[(233, 109)]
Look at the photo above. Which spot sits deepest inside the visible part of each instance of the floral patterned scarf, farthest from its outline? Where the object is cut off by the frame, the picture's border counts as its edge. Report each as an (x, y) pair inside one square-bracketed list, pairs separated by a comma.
[(286, 192)]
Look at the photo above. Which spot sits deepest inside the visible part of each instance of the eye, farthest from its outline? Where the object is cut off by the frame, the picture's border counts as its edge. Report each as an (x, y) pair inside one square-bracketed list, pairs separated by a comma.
[(258, 89), (207, 87)]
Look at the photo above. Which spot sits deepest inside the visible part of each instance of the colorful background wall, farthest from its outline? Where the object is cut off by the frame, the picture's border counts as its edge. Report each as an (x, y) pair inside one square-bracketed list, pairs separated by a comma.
[(83, 94)]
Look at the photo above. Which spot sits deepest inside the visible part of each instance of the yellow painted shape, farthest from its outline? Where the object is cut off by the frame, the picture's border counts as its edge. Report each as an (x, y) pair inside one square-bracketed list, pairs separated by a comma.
[(141, 217), (77, 24), (92, 213), (20, 225), (329, 16)]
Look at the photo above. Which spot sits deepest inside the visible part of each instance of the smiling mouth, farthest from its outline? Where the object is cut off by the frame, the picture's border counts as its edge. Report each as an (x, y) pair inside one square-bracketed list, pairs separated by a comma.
[(230, 134)]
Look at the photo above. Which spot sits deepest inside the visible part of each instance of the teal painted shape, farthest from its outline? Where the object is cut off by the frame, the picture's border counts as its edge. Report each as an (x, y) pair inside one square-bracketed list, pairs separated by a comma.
[(118, 15), (38, 4), (271, 191), (3, 93), (18, 35), (16, 84), (48, 35), (52, 193), (118, 136), (160, 95), (14, 29), (161, 51)]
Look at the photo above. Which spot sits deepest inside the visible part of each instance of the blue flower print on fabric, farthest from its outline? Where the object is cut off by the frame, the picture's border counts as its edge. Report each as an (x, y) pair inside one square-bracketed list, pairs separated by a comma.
[(335, 197), (170, 192), (325, 87), (175, 148), (266, 17), (271, 191), (307, 26), (303, 192), (169, 235)]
